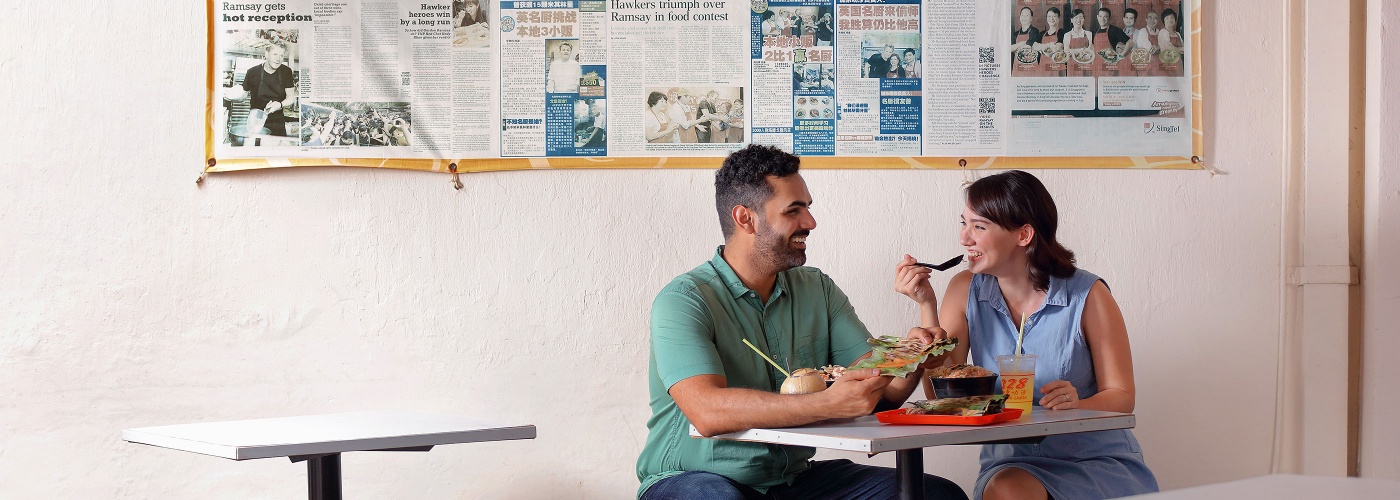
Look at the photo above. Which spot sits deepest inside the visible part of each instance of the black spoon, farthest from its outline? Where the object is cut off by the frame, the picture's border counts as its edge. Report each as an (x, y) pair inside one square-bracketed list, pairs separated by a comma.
[(944, 266)]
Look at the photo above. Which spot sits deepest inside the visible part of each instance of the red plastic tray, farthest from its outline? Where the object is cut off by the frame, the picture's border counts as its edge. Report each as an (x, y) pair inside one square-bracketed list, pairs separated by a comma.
[(898, 417)]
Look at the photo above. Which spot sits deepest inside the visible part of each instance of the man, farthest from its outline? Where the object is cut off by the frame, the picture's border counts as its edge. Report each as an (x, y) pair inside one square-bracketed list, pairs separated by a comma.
[(707, 110), (912, 68), (564, 72), (1027, 35), (1130, 22), (701, 372), (884, 64), (1146, 37), (271, 87), (1104, 28), (680, 114)]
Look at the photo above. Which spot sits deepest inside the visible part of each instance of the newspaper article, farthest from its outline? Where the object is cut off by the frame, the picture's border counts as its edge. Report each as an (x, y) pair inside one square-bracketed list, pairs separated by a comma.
[(880, 78), (677, 78), (1098, 78), (464, 79), (794, 75)]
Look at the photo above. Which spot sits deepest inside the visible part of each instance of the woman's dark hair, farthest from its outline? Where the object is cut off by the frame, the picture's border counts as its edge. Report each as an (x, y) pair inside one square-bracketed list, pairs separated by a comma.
[(1013, 199), (1169, 12), (1076, 13), (653, 97)]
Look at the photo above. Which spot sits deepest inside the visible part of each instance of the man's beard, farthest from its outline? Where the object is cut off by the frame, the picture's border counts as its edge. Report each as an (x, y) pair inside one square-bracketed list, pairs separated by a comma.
[(775, 250)]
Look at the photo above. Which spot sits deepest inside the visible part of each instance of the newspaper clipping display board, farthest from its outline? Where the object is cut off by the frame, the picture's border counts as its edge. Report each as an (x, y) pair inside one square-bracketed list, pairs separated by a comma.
[(525, 84)]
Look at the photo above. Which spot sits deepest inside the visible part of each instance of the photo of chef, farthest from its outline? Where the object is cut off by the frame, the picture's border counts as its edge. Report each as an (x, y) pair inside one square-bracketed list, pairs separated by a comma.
[(694, 115), (883, 53), (259, 92), (590, 123), (562, 69)]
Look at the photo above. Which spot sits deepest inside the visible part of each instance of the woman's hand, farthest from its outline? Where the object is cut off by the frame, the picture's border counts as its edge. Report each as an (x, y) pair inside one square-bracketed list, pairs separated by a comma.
[(1059, 395), (912, 281), (928, 336)]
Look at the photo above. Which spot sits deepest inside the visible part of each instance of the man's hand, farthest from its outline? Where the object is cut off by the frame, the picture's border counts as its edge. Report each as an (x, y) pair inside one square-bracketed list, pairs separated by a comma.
[(272, 106), (855, 393), (928, 336)]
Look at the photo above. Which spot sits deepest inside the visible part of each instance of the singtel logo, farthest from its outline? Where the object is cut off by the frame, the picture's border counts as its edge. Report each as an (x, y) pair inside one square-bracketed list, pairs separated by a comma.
[(1151, 128)]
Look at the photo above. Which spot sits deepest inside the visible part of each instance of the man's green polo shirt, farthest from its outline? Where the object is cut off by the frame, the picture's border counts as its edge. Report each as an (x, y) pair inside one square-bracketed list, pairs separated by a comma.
[(698, 326)]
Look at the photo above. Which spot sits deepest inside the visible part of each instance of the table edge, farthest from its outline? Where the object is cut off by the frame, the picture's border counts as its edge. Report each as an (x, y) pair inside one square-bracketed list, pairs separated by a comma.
[(234, 452)]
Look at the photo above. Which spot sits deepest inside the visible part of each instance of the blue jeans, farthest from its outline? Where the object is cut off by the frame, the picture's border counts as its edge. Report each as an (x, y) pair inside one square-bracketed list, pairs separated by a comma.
[(825, 479)]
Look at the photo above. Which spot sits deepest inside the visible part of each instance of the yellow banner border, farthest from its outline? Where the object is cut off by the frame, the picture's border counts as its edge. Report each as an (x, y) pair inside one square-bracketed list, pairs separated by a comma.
[(467, 165)]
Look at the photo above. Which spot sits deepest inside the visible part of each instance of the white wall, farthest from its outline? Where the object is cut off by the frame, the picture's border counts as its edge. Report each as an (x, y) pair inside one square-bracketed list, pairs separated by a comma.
[(133, 298), (1380, 445)]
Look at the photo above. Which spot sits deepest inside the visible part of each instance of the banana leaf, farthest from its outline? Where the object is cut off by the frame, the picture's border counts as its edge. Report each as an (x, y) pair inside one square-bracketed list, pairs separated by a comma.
[(899, 356), (971, 406)]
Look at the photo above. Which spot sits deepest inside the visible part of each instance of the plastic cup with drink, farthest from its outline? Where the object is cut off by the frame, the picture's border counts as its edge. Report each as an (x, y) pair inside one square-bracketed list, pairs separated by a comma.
[(1018, 380), (1018, 375)]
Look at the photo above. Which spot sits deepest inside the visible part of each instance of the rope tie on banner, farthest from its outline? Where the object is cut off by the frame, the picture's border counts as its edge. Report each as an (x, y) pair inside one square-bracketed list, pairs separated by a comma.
[(967, 176), (1213, 171), (456, 181), (199, 181)]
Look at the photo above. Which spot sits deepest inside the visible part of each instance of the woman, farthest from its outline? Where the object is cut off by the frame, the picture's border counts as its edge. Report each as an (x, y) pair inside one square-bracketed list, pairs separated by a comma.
[(656, 121), (1077, 39), (470, 13), (1017, 269), (1050, 38), (1168, 38)]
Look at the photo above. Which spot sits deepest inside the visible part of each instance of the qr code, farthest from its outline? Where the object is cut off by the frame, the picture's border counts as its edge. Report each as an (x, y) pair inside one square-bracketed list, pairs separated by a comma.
[(986, 55), (404, 78), (986, 105)]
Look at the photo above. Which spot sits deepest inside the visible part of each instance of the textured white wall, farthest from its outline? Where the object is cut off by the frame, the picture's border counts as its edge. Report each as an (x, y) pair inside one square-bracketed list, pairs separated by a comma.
[(132, 298), (1380, 279)]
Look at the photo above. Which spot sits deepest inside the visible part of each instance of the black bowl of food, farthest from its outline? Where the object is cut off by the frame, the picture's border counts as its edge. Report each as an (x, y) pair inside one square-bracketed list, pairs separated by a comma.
[(960, 381)]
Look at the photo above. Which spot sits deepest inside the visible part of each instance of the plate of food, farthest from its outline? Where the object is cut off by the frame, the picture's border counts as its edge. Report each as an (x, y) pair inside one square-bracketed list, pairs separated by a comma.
[(476, 35), (1027, 55), (801, 113), (974, 410), (1083, 57), (801, 101), (898, 356), (1109, 55), (1140, 56), (1170, 56), (1058, 57)]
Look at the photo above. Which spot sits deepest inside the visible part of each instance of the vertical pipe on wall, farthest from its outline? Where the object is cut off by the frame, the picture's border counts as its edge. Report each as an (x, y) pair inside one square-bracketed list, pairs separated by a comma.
[(1287, 440), (1324, 272)]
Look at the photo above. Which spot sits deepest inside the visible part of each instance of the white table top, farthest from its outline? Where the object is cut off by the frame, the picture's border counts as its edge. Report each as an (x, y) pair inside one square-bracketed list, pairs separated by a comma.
[(1286, 487), (325, 434), (868, 435)]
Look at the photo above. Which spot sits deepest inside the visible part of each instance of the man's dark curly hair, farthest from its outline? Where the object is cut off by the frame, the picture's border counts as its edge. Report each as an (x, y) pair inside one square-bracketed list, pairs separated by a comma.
[(743, 180)]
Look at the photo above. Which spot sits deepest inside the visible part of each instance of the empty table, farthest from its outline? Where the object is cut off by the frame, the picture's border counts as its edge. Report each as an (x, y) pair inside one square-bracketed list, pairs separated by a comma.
[(320, 439)]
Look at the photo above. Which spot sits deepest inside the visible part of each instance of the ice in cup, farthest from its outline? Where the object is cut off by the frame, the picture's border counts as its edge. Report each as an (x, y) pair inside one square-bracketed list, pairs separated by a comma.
[(1018, 380)]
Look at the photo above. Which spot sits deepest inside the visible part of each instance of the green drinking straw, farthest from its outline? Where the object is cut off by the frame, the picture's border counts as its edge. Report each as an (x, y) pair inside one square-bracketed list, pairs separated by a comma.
[(766, 358)]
